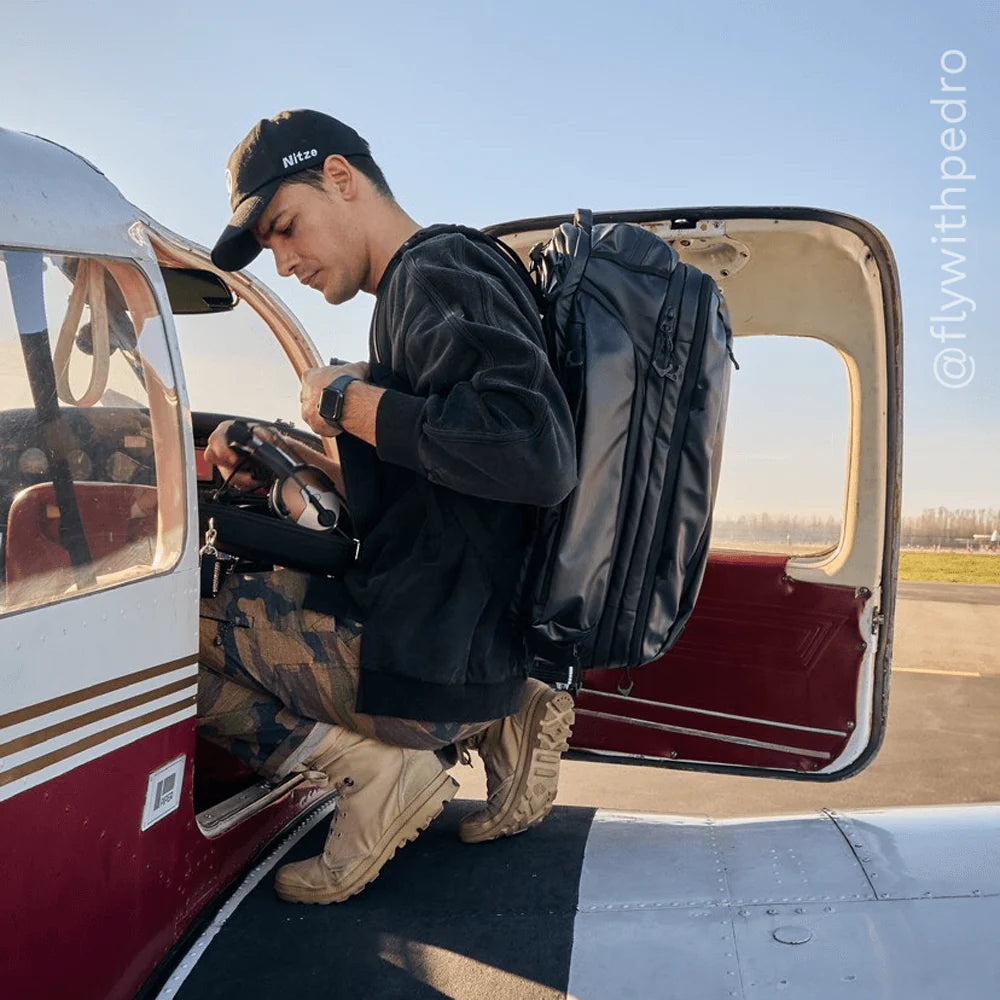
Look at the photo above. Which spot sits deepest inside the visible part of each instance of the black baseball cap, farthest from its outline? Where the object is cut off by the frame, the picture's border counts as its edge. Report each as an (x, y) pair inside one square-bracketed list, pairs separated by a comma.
[(274, 149)]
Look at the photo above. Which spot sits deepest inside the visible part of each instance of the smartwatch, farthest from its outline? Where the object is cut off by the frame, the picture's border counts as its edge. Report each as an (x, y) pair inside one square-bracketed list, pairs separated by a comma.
[(331, 404)]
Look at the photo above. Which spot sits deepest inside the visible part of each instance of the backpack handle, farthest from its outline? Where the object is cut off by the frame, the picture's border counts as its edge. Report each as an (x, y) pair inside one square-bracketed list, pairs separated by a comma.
[(584, 218)]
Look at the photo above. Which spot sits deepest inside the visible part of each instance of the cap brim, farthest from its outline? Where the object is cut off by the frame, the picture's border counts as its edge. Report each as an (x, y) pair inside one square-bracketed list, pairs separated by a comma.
[(238, 246)]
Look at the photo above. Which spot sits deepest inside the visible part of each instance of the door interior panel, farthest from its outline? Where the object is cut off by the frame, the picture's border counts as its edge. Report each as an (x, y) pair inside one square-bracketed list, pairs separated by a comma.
[(764, 676)]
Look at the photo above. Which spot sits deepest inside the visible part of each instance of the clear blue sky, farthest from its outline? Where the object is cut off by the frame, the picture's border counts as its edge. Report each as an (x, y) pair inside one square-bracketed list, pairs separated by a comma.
[(481, 112)]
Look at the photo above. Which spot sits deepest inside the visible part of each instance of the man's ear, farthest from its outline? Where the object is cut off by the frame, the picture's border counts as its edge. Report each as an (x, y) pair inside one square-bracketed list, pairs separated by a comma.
[(338, 173)]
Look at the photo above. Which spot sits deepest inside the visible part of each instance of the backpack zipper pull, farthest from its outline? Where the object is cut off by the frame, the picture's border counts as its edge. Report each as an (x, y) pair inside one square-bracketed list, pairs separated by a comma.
[(536, 257), (664, 346)]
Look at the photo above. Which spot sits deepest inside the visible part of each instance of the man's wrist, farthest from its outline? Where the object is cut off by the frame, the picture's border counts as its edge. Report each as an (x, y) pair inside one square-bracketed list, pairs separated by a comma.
[(360, 410)]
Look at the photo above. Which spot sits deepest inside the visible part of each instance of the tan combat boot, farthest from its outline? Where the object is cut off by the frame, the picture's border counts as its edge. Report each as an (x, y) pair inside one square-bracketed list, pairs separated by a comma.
[(388, 796), (521, 754)]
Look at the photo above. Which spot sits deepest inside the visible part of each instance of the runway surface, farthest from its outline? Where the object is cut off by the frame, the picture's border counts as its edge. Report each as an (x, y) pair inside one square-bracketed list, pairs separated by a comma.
[(950, 593)]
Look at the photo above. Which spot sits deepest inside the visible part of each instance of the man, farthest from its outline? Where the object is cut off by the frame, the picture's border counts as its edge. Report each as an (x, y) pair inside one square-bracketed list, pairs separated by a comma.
[(447, 438)]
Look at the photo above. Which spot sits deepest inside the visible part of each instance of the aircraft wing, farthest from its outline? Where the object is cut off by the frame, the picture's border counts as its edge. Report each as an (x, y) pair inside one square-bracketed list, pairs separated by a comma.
[(594, 904)]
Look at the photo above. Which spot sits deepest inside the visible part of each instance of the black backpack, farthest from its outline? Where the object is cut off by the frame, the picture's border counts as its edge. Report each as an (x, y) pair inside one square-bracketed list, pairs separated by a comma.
[(641, 345)]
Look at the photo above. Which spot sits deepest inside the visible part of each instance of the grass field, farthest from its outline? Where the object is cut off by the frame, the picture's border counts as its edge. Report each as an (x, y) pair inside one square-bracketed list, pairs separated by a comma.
[(949, 567)]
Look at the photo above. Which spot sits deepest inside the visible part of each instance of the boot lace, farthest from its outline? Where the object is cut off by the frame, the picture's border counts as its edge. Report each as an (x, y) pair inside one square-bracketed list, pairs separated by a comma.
[(320, 779), (466, 746)]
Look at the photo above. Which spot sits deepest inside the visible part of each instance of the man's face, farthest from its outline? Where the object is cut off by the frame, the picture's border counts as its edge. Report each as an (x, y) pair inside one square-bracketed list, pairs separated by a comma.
[(315, 235)]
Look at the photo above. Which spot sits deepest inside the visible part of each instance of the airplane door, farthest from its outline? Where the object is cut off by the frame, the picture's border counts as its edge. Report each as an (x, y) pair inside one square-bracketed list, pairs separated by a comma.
[(783, 666)]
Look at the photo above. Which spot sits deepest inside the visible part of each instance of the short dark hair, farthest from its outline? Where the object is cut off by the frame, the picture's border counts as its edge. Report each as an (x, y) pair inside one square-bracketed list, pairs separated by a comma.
[(365, 164)]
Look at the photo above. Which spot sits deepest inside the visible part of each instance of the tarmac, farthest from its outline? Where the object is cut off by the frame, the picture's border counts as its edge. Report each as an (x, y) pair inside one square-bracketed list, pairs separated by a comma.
[(942, 742)]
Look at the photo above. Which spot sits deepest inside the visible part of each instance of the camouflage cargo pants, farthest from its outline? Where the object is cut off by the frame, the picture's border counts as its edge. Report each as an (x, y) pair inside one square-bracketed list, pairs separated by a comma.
[(272, 674)]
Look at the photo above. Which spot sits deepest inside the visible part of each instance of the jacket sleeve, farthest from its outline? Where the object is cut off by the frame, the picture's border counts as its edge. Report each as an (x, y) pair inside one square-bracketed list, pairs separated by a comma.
[(487, 417)]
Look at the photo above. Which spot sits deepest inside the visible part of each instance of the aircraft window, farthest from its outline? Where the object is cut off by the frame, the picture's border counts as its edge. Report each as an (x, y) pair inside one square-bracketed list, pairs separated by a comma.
[(91, 464), (783, 479), (234, 365)]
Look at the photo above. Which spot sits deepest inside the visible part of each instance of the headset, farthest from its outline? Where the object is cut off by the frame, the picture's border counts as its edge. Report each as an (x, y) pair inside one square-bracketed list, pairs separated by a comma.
[(300, 493)]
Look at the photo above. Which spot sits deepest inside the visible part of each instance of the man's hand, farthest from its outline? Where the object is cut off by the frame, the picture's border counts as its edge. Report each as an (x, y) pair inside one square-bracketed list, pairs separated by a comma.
[(225, 459), (314, 382)]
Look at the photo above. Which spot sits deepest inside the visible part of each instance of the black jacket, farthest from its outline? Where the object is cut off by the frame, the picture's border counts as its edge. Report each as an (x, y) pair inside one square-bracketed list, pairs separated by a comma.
[(472, 433)]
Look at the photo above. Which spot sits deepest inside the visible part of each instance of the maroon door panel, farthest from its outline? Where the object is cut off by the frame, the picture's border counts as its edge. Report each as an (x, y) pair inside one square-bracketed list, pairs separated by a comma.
[(764, 676)]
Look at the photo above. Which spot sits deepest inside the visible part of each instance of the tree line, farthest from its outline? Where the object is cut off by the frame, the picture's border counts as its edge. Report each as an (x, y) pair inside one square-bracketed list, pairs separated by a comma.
[(943, 526), (765, 527), (937, 526)]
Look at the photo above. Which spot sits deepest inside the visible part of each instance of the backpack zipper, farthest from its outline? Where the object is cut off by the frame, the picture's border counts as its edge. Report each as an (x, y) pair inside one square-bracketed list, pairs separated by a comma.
[(604, 639), (666, 327), (691, 374)]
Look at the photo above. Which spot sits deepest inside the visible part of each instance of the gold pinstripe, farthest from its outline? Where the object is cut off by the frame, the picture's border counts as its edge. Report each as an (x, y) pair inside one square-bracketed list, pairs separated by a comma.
[(30, 767), (85, 694)]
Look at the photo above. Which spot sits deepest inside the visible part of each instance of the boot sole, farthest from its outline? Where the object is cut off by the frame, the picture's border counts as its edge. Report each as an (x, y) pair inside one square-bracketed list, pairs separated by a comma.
[(531, 797), (412, 822)]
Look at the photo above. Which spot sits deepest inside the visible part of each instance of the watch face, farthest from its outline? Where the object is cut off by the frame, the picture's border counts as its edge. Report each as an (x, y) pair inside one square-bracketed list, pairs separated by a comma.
[(331, 404)]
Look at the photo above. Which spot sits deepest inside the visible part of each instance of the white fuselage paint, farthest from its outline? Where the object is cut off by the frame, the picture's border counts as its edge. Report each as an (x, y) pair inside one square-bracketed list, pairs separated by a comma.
[(882, 903), (58, 652)]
